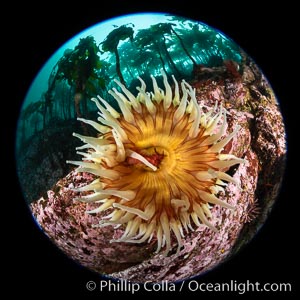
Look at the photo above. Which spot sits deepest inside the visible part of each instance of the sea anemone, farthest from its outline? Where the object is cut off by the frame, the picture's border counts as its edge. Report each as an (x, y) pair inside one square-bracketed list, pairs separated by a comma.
[(158, 163)]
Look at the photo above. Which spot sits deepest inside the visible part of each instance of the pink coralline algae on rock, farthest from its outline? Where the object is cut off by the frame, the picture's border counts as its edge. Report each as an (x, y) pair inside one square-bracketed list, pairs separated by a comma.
[(251, 104)]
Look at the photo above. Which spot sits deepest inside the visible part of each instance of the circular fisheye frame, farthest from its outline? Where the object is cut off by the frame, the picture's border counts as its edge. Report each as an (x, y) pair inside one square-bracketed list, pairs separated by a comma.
[(140, 144)]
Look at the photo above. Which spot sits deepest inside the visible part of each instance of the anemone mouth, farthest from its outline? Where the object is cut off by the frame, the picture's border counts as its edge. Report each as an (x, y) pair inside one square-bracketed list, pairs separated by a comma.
[(159, 163)]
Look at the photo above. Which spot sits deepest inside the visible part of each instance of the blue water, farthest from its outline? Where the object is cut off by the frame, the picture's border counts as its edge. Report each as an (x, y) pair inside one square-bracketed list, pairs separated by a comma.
[(99, 32)]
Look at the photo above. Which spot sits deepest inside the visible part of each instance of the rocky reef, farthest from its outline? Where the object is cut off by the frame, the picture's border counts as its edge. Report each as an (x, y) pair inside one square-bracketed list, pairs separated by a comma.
[(251, 104)]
